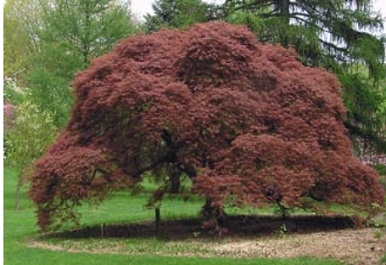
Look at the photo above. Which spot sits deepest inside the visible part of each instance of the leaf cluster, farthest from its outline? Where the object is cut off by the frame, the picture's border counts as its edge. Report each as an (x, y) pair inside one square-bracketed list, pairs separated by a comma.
[(27, 138), (324, 33)]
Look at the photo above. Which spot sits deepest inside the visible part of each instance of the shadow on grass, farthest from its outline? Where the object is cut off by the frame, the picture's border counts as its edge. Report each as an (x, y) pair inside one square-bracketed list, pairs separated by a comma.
[(235, 226)]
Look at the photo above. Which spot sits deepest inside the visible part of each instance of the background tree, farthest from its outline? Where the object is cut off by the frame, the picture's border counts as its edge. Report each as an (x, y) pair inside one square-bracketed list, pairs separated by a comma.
[(13, 96), (19, 42), (324, 33), (8, 119), (28, 136), (177, 14), (366, 120), (70, 34), (336, 35), (45, 43), (246, 122)]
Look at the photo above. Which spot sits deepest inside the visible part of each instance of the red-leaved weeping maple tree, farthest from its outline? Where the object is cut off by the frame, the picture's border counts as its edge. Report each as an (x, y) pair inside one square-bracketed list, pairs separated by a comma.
[(246, 122)]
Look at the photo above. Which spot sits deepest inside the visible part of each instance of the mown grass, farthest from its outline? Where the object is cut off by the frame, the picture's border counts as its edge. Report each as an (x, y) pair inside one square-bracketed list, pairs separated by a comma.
[(20, 230)]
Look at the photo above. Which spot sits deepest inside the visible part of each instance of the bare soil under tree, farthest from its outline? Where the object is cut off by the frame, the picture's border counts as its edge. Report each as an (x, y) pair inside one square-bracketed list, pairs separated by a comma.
[(334, 237)]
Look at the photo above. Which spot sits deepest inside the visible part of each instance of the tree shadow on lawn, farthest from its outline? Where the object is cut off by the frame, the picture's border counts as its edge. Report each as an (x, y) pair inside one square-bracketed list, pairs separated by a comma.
[(234, 226)]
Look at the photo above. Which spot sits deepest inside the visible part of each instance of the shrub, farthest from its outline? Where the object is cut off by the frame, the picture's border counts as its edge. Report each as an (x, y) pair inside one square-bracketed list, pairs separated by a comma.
[(31, 132)]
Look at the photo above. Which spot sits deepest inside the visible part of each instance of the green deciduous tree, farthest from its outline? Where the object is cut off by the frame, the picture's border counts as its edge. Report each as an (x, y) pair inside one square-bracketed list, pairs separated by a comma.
[(31, 132), (84, 29), (70, 34), (19, 42)]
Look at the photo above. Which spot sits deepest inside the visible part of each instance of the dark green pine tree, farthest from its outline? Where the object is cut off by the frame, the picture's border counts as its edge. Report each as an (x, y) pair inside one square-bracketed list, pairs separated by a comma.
[(338, 35), (323, 32), (177, 14)]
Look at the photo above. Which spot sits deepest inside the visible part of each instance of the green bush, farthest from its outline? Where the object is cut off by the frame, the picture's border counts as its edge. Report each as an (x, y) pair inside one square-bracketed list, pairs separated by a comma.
[(381, 169), (382, 172), (30, 134)]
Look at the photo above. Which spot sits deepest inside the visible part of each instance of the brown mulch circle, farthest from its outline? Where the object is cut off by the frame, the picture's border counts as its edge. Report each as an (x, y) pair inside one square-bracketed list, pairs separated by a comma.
[(335, 237), (354, 247), (234, 226)]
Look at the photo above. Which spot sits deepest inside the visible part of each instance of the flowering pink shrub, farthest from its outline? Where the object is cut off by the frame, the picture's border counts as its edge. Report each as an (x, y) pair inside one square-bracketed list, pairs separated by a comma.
[(9, 115)]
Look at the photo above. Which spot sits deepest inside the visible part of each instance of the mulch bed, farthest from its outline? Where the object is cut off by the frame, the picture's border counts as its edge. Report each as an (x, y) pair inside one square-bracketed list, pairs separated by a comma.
[(233, 226)]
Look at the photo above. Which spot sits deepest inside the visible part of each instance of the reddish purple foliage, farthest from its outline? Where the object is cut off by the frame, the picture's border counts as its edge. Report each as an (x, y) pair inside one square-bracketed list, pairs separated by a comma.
[(246, 122), (9, 115)]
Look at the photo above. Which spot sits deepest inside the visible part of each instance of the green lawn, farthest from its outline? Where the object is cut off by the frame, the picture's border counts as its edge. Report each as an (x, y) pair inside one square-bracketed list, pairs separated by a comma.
[(20, 228)]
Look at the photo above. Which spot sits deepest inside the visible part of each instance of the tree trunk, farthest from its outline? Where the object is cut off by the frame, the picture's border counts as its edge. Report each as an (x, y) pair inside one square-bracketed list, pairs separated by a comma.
[(157, 221), (175, 184), (213, 213), (285, 15), (17, 199), (174, 179)]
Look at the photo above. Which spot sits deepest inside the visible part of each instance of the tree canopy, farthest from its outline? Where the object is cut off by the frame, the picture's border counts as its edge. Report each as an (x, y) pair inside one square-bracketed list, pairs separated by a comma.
[(19, 45), (322, 32), (56, 39), (247, 122), (176, 14), (335, 35)]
